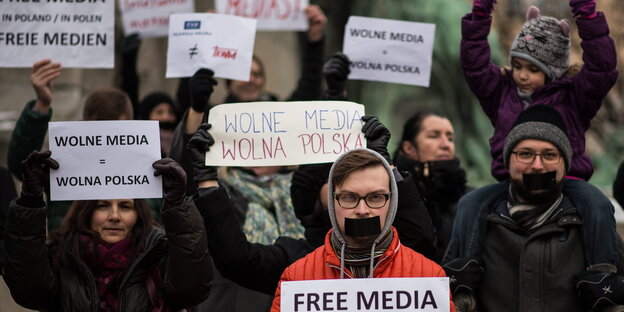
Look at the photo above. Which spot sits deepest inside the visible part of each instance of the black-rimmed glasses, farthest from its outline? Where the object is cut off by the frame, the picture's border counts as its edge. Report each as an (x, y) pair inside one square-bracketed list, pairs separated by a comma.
[(527, 157), (350, 201)]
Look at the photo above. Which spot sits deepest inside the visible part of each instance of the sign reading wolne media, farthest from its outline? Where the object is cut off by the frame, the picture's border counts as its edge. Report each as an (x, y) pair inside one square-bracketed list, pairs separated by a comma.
[(76, 33), (223, 43), (150, 18), (104, 159), (271, 15), (389, 50), (423, 294), (283, 133)]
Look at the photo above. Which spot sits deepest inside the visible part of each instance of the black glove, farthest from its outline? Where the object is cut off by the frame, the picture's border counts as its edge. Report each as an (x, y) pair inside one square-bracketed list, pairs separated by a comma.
[(36, 171), (305, 187), (173, 179), (198, 145), (377, 136), (598, 290), (130, 45), (336, 72), (201, 86), (465, 274)]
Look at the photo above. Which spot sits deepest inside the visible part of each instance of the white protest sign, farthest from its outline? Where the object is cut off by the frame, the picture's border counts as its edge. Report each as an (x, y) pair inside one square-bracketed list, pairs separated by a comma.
[(151, 18), (271, 15), (283, 133), (389, 50), (423, 294), (104, 159), (223, 43), (74, 33)]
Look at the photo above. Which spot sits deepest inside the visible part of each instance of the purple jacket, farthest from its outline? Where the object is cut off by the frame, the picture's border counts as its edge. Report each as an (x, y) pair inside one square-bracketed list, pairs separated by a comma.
[(576, 98)]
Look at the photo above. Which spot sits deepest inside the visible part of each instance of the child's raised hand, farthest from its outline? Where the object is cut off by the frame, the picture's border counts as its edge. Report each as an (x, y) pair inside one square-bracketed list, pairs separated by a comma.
[(483, 7), (583, 8)]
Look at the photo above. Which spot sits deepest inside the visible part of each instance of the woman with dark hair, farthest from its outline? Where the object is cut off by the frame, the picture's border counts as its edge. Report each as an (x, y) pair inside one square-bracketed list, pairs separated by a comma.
[(108, 255), (427, 151)]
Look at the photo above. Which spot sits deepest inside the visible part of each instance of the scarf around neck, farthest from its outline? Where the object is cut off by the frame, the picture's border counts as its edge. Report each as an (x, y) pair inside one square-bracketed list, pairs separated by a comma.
[(270, 212), (531, 216), (108, 263), (358, 259)]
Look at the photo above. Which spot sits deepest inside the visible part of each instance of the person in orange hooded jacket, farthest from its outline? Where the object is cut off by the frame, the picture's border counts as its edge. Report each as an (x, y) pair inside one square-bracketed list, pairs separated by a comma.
[(362, 243)]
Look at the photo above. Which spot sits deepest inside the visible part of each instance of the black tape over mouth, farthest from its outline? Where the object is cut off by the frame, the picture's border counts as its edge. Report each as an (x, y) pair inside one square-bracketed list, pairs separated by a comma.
[(539, 181), (362, 227)]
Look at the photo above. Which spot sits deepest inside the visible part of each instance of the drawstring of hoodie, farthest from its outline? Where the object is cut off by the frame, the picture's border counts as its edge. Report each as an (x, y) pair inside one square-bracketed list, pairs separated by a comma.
[(372, 260), (342, 261)]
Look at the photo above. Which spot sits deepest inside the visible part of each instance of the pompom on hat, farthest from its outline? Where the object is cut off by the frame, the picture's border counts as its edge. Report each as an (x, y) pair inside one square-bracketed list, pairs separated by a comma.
[(545, 42)]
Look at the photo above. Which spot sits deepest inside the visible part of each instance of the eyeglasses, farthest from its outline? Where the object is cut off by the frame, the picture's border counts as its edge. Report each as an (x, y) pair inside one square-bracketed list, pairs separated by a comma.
[(350, 201), (527, 157)]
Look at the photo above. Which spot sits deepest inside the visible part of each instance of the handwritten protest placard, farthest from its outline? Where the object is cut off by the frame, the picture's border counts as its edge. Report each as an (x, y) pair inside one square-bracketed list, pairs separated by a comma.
[(283, 133), (151, 18), (223, 43), (74, 33), (424, 294), (389, 50), (104, 159), (271, 15)]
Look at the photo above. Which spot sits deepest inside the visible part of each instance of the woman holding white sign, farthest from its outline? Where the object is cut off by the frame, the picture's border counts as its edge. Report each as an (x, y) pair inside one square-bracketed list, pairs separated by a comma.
[(108, 255)]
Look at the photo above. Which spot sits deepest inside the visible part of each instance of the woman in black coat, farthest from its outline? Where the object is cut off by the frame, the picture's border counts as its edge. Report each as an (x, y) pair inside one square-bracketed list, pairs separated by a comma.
[(108, 255)]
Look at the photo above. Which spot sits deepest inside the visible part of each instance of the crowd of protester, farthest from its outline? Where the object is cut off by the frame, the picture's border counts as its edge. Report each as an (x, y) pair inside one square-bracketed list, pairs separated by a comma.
[(224, 239)]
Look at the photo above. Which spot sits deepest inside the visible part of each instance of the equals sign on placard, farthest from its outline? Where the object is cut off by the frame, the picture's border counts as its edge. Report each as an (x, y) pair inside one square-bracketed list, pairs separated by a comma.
[(102, 161)]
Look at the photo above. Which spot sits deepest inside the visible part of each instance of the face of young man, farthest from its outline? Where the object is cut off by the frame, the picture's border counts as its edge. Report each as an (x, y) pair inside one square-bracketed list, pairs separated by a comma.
[(369, 181), (517, 169)]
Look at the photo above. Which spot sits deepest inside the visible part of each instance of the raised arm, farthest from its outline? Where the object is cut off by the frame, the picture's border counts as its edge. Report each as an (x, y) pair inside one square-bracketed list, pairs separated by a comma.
[(28, 270), (189, 275)]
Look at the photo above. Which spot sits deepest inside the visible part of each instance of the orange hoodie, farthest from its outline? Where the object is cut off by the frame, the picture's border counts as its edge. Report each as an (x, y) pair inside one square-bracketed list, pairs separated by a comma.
[(323, 263)]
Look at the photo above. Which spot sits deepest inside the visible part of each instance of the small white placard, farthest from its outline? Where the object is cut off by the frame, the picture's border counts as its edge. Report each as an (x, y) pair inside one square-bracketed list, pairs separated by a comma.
[(104, 159), (151, 18), (422, 294), (271, 15), (74, 33), (223, 43), (389, 50), (284, 133)]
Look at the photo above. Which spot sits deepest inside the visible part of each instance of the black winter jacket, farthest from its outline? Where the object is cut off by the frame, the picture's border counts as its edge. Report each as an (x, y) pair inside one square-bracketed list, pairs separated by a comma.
[(181, 255)]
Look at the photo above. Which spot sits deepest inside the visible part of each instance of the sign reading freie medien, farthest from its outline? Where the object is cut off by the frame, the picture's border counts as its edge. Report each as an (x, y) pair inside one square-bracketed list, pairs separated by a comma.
[(76, 33), (422, 294), (104, 159), (283, 133), (389, 50)]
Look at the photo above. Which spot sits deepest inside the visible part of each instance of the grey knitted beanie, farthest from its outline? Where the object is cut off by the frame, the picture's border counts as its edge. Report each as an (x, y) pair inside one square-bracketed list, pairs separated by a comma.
[(545, 42), (539, 122)]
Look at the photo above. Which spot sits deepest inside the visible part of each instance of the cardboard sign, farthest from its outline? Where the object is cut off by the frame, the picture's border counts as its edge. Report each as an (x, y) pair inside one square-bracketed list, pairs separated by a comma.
[(223, 43), (284, 133), (423, 294), (271, 15), (389, 50), (151, 18), (74, 33), (104, 159)]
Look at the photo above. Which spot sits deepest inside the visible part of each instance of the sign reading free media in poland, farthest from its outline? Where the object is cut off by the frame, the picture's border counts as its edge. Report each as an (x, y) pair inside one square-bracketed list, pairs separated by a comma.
[(77, 33), (423, 294), (283, 133), (104, 159), (389, 50)]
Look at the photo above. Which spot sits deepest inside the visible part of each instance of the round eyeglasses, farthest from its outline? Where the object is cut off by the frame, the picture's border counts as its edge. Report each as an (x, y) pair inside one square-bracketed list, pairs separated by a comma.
[(350, 201), (527, 157)]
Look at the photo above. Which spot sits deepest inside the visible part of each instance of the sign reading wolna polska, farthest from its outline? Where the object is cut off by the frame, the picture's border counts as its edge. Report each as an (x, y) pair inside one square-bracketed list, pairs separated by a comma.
[(423, 294), (151, 18), (74, 33), (104, 159), (389, 50), (271, 15), (223, 43), (283, 133)]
